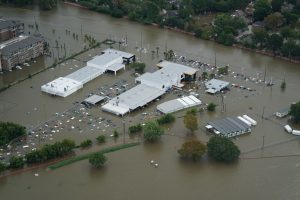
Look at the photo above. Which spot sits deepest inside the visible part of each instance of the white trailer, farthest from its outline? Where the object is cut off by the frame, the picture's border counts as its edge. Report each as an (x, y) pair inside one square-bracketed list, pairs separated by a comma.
[(252, 121), (243, 120), (288, 129), (296, 132)]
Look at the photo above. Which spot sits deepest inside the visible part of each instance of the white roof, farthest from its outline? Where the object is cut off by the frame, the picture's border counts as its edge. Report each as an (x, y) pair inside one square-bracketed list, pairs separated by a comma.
[(62, 86), (120, 53), (69, 84), (216, 84), (177, 68), (105, 60), (137, 96), (85, 74), (116, 67), (170, 73), (117, 110), (178, 104)]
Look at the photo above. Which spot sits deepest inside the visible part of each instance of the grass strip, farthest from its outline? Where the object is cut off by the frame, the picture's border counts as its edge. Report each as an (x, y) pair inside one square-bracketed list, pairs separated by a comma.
[(86, 156)]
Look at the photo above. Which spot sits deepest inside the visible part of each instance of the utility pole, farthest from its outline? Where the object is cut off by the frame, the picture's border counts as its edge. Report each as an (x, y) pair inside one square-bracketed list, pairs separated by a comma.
[(265, 74), (263, 144), (123, 121)]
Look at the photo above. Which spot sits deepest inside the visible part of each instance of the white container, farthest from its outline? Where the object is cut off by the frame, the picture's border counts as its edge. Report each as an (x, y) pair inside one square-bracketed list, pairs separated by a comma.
[(288, 128), (296, 132), (245, 121), (252, 121)]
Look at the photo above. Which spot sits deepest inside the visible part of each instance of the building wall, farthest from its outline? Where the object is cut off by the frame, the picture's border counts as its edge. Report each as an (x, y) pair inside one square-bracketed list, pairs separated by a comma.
[(23, 55), (11, 32)]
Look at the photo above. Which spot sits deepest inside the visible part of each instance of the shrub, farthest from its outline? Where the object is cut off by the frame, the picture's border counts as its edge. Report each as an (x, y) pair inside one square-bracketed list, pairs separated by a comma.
[(135, 128), (115, 134), (166, 119), (152, 131), (101, 139), (86, 143), (97, 160), (16, 162), (211, 107)]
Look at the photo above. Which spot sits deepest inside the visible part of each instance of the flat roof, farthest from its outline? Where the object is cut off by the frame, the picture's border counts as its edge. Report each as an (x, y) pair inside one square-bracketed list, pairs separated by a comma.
[(229, 125), (61, 86), (104, 60), (19, 43), (69, 84), (176, 68), (116, 67), (216, 85), (120, 53), (178, 104), (85, 74), (137, 96), (94, 99)]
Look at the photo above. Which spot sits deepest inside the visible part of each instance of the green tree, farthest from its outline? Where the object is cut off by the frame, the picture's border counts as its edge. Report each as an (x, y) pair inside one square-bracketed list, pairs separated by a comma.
[(166, 119), (276, 5), (290, 49), (101, 139), (204, 75), (274, 20), (192, 149), (275, 42), (152, 131), (262, 8), (97, 160), (283, 85), (222, 149), (291, 17), (86, 143), (2, 167), (135, 128), (260, 36), (10, 131), (47, 4), (192, 111), (16, 162), (190, 122), (211, 106), (138, 67), (116, 134), (295, 112)]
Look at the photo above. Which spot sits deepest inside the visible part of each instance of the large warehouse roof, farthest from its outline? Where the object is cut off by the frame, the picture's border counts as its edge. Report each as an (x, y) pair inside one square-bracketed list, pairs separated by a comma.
[(178, 104), (137, 96)]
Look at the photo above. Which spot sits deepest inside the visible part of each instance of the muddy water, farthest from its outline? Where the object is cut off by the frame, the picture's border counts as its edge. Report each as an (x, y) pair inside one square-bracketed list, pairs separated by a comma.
[(128, 174)]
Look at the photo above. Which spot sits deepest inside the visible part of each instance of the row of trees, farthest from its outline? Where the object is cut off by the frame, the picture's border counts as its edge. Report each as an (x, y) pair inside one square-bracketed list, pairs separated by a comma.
[(217, 148), (43, 4), (10, 131)]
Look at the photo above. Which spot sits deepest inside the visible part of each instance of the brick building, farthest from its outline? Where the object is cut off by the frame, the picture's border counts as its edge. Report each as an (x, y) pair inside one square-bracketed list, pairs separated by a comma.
[(10, 29), (19, 50)]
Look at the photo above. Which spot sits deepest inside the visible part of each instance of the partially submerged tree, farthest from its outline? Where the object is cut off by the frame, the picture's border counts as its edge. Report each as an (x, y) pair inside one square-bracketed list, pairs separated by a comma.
[(211, 107), (152, 131), (192, 149), (190, 121), (222, 149), (97, 160), (295, 112)]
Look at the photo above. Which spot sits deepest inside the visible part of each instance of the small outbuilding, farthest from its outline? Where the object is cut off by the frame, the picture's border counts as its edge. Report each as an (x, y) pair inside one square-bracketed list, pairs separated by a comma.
[(215, 85), (228, 127), (94, 99)]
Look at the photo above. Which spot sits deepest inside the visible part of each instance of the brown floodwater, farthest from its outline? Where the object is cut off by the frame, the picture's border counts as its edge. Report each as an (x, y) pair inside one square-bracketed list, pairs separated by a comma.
[(259, 174)]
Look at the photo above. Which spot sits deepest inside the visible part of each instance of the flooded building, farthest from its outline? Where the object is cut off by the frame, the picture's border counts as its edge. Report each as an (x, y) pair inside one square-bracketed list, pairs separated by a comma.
[(19, 50), (228, 127), (10, 29), (214, 86), (178, 104), (109, 60), (150, 87)]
